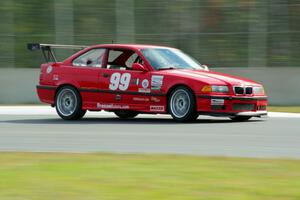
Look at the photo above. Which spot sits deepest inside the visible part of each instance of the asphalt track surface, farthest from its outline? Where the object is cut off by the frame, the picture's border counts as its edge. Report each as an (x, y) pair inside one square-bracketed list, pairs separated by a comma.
[(39, 129)]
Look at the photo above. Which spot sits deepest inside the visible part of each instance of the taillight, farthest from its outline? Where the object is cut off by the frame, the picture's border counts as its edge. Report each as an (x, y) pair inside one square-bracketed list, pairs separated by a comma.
[(41, 73)]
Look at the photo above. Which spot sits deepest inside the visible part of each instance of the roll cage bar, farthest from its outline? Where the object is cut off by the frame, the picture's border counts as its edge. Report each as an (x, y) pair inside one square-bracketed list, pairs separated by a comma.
[(47, 49)]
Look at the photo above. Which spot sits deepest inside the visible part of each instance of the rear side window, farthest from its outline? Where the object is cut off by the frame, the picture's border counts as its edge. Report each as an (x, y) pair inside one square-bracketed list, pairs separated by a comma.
[(92, 58)]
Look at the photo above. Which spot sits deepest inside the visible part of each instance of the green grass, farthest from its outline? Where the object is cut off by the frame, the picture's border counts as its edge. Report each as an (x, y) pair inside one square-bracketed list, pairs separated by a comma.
[(289, 109), (45, 176)]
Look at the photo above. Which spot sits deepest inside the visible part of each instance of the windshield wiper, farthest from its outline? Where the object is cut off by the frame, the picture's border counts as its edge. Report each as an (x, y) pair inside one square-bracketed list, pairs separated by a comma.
[(167, 68)]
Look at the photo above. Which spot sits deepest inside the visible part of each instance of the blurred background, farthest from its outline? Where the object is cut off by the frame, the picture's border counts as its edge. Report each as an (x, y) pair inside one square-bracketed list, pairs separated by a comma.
[(249, 38)]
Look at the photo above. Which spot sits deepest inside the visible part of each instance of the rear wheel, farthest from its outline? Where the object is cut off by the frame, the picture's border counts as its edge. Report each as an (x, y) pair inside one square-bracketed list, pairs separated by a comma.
[(126, 114), (240, 118), (68, 104), (182, 105)]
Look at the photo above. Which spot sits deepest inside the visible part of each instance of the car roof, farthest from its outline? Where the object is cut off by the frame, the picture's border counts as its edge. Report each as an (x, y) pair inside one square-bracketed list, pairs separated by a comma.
[(131, 46)]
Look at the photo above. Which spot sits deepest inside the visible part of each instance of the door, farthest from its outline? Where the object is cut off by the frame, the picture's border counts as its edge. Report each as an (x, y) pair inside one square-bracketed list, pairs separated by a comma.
[(124, 88)]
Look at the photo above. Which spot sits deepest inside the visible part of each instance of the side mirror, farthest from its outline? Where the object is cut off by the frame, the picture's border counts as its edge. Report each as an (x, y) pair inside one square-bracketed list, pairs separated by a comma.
[(88, 62), (205, 67), (138, 67)]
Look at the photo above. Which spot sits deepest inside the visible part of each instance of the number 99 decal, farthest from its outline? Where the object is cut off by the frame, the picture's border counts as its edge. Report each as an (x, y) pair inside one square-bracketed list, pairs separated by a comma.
[(119, 81)]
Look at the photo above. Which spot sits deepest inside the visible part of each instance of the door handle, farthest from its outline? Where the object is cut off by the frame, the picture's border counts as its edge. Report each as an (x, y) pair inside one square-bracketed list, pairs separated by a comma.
[(105, 75)]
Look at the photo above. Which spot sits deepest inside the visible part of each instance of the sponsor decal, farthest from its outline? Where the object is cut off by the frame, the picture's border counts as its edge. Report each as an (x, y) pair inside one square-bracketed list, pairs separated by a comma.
[(217, 102), (135, 81), (157, 108), (144, 90), (140, 99), (145, 83), (155, 99), (49, 69), (156, 82), (111, 106), (55, 77), (118, 97)]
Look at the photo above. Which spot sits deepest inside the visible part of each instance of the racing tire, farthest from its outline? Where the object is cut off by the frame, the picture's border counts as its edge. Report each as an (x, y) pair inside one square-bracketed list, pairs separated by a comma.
[(68, 104), (240, 118), (126, 114), (182, 105)]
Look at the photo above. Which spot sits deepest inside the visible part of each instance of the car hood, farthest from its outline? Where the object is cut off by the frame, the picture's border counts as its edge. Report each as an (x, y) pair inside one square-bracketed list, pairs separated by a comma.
[(209, 77)]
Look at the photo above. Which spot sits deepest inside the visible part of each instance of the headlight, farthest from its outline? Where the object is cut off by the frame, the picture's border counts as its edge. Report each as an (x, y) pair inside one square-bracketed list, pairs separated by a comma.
[(215, 88), (222, 88), (258, 90)]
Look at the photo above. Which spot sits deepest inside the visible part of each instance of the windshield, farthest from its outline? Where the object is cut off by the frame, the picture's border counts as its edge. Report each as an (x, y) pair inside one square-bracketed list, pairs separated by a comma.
[(167, 58)]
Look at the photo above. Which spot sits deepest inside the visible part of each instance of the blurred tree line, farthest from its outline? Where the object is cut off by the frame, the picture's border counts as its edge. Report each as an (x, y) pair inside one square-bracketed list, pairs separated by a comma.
[(220, 33)]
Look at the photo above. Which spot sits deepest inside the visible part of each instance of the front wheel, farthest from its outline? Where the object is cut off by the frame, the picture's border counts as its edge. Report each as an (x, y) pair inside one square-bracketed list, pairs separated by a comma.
[(126, 114), (240, 118), (68, 104), (182, 105)]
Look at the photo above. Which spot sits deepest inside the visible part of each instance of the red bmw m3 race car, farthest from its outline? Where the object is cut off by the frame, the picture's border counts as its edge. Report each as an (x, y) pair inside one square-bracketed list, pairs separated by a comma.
[(129, 79)]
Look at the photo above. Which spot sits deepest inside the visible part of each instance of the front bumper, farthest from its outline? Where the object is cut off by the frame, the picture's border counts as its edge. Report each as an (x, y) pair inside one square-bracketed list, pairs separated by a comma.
[(252, 113), (216, 105)]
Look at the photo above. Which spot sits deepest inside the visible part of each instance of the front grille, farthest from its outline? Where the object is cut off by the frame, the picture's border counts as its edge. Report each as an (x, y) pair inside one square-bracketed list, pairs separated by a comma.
[(243, 106), (218, 107), (248, 90), (243, 90), (239, 90), (261, 107)]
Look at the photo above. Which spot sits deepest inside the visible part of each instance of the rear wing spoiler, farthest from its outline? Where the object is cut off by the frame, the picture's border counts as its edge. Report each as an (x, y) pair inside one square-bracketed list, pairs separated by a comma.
[(47, 49)]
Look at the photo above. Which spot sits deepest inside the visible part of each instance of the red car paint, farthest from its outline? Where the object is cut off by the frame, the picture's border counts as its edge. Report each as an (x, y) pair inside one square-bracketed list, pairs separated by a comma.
[(93, 83)]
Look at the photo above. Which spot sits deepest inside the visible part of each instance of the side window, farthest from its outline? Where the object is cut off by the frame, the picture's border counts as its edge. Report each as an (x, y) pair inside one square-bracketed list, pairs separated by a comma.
[(122, 59), (113, 54), (91, 58), (131, 60), (113, 62), (134, 58)]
